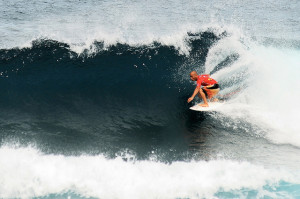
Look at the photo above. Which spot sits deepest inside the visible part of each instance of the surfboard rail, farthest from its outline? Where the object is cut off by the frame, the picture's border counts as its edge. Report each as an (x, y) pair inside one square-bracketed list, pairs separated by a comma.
[(212, 106)]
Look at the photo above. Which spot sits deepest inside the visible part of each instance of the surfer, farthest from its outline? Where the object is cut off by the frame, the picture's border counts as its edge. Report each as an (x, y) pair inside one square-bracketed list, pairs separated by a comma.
[(208, 91)]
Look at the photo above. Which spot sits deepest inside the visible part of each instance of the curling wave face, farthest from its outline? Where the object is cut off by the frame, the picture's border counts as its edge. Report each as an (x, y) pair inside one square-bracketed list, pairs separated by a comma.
[(123, 87)]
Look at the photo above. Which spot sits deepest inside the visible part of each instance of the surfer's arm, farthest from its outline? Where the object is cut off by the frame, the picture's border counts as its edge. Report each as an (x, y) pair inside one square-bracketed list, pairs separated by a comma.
[(197, 89)]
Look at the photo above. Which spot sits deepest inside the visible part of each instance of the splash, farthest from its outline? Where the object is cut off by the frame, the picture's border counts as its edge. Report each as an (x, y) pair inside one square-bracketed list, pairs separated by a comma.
[(264, 84)]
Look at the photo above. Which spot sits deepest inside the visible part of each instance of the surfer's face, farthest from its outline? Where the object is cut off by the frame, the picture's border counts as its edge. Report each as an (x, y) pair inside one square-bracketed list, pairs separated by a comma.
[(193, 77)]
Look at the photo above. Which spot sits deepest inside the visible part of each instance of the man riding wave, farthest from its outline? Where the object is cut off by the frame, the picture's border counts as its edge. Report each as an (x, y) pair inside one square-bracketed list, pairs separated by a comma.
[(210, 88)]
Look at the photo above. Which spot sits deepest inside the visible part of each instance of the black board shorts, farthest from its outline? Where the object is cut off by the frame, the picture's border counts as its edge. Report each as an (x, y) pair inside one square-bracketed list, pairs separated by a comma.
[(215, 86)]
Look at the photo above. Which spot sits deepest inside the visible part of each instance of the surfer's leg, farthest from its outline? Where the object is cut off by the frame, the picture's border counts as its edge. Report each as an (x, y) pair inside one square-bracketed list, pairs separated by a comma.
[(202, 94), (212, 92), (214, 99)]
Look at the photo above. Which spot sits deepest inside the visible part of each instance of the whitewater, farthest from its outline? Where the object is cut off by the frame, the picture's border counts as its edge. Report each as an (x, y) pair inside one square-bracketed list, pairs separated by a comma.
[(93, 99)]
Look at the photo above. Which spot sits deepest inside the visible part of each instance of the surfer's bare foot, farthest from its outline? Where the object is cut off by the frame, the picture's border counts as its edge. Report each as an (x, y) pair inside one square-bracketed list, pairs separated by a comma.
[(215, 100), (203, 105)]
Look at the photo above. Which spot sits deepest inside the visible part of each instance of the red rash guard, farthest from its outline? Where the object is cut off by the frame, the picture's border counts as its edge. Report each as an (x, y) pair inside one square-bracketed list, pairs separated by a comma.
[(205, 80)]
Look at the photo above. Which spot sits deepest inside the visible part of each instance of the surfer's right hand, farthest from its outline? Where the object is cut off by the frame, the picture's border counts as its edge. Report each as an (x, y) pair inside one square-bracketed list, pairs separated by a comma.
[(190, 99)]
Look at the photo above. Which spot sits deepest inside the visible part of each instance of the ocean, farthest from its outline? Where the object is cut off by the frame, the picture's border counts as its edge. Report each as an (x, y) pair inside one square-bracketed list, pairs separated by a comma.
[(94, 99)]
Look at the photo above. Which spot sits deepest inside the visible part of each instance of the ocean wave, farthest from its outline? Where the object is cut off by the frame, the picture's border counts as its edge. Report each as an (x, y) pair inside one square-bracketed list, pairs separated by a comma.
[(132, 80), (49, 67)]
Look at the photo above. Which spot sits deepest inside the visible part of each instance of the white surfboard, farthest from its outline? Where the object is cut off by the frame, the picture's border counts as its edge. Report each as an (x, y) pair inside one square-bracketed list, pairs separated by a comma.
[(212, 106)]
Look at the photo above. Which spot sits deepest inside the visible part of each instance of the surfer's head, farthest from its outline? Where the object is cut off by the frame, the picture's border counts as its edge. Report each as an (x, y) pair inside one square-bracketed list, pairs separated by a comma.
[(194, 76)]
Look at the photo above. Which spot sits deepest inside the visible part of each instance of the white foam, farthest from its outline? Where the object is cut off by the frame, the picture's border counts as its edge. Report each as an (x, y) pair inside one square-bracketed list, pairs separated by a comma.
[(271, 92), (85, 41), (81, 26), (81, 23), (25, 172), (275, 95)]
